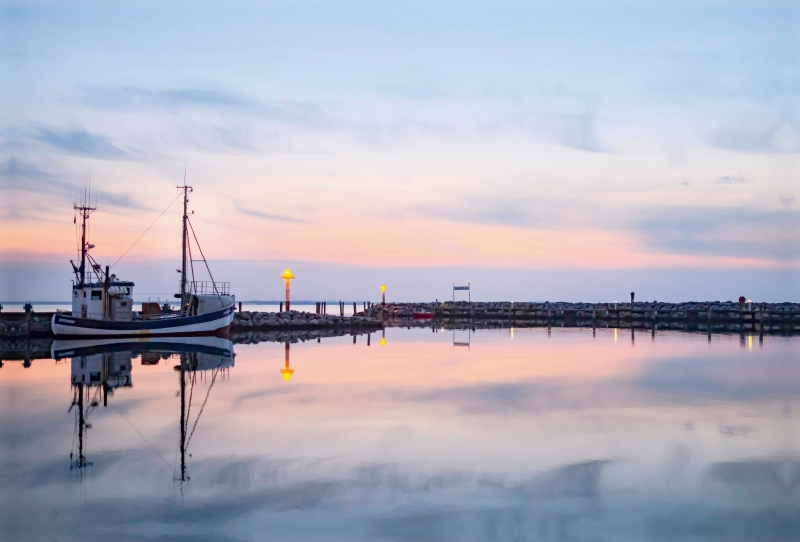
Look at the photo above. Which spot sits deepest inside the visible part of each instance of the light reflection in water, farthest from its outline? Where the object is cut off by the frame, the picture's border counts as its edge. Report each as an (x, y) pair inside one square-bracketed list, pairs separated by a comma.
[(554, 434)]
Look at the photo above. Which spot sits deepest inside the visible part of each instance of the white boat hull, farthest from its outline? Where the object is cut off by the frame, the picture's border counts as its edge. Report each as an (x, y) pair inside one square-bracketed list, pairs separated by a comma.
[(207, 324)]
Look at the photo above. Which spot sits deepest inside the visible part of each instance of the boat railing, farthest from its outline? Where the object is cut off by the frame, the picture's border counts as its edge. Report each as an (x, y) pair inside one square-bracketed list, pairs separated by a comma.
[(208, 287)]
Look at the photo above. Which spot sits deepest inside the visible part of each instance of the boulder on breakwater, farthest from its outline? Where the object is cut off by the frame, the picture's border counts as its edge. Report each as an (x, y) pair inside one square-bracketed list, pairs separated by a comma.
[(301, 320)]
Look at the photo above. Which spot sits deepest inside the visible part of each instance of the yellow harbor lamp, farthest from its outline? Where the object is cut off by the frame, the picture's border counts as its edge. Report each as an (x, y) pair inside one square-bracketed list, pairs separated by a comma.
[(383, 337), (287, 371), (383, 292), (287, 276)]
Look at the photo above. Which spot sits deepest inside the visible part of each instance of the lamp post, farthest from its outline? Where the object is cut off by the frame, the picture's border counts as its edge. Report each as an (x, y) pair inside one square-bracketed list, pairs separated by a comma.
[(287, 276), (287, 371), (383, 293)]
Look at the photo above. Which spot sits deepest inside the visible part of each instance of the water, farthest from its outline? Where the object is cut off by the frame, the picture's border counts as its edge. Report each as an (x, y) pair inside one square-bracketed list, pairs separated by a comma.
[(523, 435)]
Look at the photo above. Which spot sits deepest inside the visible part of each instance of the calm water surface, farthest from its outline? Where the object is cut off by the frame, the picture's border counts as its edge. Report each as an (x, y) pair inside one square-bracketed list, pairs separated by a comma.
[(518, 436)]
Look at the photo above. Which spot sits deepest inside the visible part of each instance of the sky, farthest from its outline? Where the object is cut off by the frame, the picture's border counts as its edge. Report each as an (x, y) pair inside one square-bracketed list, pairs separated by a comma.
[(536, 150)]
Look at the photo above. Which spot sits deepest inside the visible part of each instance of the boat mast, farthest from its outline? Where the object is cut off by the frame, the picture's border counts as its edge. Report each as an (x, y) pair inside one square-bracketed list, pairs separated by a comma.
[(184, 239), (184, 361), (85, 209)]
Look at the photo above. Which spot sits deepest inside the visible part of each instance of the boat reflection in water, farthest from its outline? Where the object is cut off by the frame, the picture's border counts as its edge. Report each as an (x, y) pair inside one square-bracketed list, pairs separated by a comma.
[(100, 367)]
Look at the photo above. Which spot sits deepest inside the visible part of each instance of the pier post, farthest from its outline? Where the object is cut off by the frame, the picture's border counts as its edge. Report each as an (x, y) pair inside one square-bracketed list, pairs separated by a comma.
[(281, 309), (354, 307)]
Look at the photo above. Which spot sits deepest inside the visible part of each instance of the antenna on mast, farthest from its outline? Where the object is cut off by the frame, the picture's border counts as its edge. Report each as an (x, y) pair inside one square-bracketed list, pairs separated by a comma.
[(84, 209)]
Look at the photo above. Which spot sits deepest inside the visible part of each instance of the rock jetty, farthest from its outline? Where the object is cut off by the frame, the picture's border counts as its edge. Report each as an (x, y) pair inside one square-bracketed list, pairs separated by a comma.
[(301, 320), (711, 316), (25, 324)]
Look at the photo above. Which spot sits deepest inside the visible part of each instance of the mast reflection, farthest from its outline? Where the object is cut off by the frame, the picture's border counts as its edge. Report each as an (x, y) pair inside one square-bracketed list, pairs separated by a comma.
[(102, 366)]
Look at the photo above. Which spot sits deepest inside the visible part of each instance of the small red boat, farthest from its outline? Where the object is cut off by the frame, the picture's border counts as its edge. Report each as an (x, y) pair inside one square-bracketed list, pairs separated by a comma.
[(422, 315)]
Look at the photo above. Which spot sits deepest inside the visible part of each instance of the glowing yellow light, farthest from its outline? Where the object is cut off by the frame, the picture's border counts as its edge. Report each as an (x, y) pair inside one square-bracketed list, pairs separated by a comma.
[(615, 334), (287, 274), (749, 342), (383, 341), (512, 333), (383, 289), (287, 373)]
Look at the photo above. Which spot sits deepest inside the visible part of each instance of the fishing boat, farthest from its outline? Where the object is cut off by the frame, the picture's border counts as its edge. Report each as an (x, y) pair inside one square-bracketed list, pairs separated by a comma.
[(102, 304)]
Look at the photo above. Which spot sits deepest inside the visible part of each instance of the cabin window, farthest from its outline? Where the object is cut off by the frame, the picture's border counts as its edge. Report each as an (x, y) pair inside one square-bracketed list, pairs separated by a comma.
[(94, 377), (97, 295), (84, 294), (123, 304)]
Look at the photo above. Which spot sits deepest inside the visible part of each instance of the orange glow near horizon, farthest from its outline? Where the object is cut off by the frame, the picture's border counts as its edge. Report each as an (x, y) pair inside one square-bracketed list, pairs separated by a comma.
[(422, 243)]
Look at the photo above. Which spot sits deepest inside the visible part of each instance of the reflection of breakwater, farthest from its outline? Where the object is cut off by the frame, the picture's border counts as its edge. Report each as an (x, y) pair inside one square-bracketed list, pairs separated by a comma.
[(715, 317), (254, 336), (27, 349)]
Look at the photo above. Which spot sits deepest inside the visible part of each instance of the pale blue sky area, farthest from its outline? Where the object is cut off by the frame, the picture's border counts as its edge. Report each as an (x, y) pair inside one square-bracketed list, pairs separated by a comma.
[(674, 124)]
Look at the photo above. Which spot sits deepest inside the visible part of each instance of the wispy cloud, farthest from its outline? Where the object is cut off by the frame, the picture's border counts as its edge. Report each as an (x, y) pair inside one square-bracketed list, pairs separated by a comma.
[(82, 143), (779, 136), (731, 179), (735, 232), (268, 216), (130, 97), (571, 129), (499, 211), (285, 112), (52, 191)]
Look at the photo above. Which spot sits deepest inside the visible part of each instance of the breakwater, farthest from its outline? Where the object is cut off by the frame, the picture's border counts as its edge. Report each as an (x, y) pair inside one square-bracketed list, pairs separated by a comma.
[(296, 320), (25, 324), (14, 325), (711, 316)]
